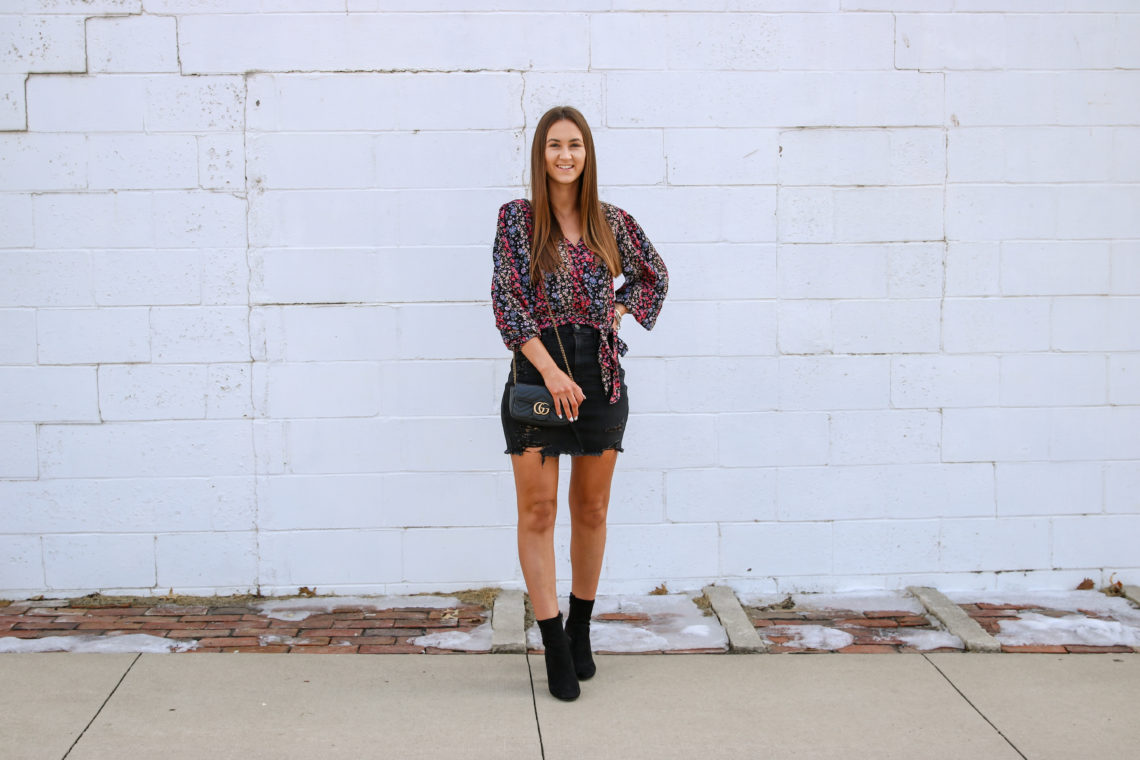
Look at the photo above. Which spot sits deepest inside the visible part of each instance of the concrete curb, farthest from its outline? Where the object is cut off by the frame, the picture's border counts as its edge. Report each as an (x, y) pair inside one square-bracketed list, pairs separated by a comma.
[(956, 620), (1132, 594), (507, 617), (742, 635)]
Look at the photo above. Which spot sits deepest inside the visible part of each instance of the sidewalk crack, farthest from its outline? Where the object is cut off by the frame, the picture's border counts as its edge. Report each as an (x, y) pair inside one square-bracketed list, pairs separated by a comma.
[(534, 701), (100, 710), (979, 712)]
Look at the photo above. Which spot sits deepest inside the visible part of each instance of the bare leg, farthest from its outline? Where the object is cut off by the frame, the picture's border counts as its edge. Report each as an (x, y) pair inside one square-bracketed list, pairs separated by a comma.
[(590, 479), (536, 490)]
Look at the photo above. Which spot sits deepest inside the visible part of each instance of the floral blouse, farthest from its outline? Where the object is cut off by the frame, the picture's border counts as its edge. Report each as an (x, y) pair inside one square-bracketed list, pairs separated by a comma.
[(581, 291)]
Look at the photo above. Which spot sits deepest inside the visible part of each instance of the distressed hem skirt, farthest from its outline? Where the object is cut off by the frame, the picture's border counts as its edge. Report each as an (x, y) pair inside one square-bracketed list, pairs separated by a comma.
[(600, 424)]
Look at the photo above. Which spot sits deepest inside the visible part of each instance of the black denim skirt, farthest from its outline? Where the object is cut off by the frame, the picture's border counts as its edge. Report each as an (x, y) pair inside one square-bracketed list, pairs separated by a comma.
[(600, 424)]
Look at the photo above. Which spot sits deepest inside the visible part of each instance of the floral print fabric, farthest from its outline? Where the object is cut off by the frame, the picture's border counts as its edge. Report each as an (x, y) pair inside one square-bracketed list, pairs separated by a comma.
[(581, 291)]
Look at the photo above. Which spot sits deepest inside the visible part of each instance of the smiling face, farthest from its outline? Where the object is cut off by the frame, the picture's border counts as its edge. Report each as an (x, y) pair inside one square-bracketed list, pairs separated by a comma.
[(565, 152)]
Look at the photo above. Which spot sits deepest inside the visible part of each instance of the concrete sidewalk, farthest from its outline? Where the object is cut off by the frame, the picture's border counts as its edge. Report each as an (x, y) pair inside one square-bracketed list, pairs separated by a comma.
[(951, 705)]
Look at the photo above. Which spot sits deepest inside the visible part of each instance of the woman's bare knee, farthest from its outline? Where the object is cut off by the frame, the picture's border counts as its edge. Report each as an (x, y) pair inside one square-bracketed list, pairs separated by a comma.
[(536, 488), (590, 513), (537, 515)]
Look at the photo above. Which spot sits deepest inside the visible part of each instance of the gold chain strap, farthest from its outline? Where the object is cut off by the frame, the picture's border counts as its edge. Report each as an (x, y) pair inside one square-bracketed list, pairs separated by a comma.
[(554, 326)]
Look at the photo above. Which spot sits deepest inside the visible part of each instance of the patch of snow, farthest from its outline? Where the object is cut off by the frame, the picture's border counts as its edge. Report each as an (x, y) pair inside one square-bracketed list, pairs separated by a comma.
[(267, 639), (301, 608), (856, 601), (1035, 628), (293, 615), (922, 639), (1071, 601), (127, 642), (810, 636), (823, 637), (613, 636), (675, 622), (478, 639)]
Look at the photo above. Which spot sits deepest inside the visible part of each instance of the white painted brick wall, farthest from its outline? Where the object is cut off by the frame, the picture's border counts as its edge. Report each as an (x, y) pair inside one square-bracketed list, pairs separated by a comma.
[(139, 278), (48, 394), (18, 450), (1125, 268), (12, 106), (169, 504), (1048, 488), (34, 43), (1122, 487), (17, 336), (132, 44), (135, 162), (890, 491), (42, 161), (245, 332), (178, 559)]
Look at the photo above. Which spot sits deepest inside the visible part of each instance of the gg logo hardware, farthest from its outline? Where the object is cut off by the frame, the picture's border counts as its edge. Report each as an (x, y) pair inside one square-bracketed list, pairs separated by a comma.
[(541, 407)]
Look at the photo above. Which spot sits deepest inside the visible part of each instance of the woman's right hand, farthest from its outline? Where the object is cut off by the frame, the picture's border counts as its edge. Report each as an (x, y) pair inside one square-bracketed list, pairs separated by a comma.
[(567, 393)]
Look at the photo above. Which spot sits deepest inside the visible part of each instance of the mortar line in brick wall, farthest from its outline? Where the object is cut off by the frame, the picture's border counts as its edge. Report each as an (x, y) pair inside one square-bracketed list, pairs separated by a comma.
[(945, 253), (40, 538), (590, 50), (178, 52), (98, 401), (895, 45), (249, 332), (25, 129), (86, 53), (971, 704), (272, 72)]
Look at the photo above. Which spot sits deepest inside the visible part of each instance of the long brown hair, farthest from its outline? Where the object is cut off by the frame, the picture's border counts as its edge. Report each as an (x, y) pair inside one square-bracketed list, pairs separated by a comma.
[(596, 231)]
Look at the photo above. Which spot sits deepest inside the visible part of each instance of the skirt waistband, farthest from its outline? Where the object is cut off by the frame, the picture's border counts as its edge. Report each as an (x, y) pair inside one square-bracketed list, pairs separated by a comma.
[(570, 329)]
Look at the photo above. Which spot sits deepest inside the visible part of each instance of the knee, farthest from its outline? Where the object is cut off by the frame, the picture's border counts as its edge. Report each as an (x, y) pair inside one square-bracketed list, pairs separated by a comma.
[(591, 512), (537, 515)]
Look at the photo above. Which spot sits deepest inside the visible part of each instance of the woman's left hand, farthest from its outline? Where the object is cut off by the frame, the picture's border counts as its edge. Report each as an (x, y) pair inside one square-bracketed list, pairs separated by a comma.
[(618, 314)]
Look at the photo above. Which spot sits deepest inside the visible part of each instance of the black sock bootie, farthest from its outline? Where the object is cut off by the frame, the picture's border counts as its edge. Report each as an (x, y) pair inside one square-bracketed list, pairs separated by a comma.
[(578, 632), (559, 663)]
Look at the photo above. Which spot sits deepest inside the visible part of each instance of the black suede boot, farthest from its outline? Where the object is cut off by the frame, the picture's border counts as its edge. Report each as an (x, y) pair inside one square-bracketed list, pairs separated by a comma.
[(578, 632), (559, 664)]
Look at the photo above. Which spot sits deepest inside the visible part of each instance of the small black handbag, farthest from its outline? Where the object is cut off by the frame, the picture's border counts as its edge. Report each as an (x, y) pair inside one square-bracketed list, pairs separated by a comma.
[(532, 403)]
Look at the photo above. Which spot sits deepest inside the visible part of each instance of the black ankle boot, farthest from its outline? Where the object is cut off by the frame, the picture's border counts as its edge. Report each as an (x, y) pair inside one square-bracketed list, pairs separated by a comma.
[(578, 632), (559, 663)]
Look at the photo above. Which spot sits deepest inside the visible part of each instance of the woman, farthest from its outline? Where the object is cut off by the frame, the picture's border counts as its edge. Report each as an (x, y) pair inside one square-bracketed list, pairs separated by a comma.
[(544, 279)]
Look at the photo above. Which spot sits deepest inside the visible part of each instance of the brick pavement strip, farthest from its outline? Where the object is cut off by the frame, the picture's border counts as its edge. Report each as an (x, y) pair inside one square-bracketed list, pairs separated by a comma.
[(238, 628), (350, 629), (1082, 649), (872, 631), (870, 623), (230, 641), (990, 615), (866, 649), (176, 610), (1034, 648)]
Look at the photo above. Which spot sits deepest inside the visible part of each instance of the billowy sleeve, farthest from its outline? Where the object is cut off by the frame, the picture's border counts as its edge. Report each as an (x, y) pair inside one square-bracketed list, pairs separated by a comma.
[(646, 279), (508, 296)]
